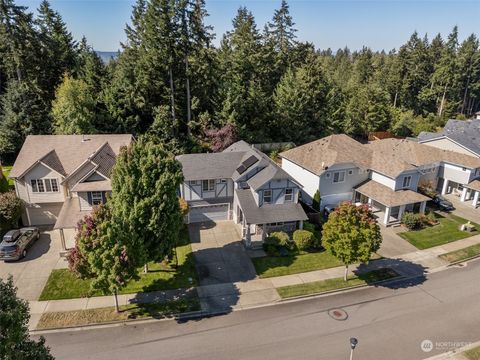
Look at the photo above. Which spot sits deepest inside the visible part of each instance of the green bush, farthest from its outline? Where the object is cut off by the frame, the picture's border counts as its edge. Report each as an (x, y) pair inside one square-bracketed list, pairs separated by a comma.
[(270, 249), (4, 186), (316, 200), (309, 227), (430, 218), (303, 239), (412, 221)]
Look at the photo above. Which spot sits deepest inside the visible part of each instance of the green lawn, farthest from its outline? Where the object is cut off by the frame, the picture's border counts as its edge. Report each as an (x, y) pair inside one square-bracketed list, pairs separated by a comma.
[(6, 171), (270, 266), (62, 284), (461, 254), (473, 354), (336, 283), (446, 231), (108, 314)]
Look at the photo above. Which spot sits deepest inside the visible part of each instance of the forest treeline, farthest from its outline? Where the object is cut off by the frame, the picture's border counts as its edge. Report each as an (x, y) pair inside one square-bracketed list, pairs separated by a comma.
[(260, 85)]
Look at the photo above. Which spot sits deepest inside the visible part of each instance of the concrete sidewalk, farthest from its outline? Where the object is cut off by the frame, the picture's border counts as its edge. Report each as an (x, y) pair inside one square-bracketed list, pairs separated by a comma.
[(257, 292)]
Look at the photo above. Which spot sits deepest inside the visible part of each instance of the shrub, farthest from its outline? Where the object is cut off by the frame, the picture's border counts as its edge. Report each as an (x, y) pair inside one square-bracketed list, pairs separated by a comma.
[(281, 237), (10, 210), (270, 249), (309, 227), (303, 239), (430, 218), (412, 221)]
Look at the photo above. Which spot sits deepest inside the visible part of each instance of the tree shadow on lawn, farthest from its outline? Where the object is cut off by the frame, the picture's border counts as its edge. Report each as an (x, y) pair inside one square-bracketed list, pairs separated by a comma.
[(409, 273)]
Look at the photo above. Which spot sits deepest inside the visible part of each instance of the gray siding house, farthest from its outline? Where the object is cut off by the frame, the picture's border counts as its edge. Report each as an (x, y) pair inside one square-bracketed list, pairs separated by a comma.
[(243, 185)]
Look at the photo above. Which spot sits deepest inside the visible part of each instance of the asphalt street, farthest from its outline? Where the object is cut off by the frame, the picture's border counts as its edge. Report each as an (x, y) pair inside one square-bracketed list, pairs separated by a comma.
[(390, 322)]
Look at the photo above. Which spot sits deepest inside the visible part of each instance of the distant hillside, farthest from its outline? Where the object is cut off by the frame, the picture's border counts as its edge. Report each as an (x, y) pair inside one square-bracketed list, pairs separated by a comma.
[(107, 55)]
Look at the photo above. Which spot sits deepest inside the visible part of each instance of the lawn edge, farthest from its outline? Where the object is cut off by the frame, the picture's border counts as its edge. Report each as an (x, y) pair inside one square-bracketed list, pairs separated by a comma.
[(334, 291)]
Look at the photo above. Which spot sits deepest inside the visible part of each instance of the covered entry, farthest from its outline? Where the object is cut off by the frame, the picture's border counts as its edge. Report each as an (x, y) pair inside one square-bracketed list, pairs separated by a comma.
[(211, 212)]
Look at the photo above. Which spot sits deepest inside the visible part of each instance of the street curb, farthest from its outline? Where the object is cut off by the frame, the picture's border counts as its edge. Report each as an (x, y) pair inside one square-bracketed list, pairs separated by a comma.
[(344, 290), (454, 354), (180, 316)]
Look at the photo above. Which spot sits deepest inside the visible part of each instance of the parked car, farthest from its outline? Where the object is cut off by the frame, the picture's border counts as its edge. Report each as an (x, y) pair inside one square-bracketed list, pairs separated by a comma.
[(328, 209), (15, 243), (442, 203)]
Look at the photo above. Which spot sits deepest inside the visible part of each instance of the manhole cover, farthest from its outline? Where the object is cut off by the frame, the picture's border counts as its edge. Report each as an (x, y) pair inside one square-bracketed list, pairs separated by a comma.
[(338, 314)]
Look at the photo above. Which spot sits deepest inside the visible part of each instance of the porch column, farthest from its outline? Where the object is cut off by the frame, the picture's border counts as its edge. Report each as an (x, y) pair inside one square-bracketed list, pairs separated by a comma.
[(463, 197), (62, 239), (445, 186), (248, 239), (387, 215), (300, 225), (475, 199), (369, 202), (264, 231), (423, 205), (401, 211)]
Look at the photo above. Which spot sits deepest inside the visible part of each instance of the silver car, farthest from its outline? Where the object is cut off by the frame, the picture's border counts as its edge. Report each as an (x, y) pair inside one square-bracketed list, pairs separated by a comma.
[(15, 243)]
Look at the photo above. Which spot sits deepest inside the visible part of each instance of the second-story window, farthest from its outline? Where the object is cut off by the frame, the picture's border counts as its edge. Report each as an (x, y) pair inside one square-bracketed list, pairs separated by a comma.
[(406, 181), (267, 196), (208, 185), (44, 185), (288, 195), (339, 176)]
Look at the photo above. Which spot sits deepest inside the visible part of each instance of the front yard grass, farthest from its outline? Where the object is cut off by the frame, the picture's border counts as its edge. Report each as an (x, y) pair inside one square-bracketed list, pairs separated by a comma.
[(461, 254), (473, 354), (6, 171), (270, 266), (62, 284), (336, 283), (108, 314), (446, 231)]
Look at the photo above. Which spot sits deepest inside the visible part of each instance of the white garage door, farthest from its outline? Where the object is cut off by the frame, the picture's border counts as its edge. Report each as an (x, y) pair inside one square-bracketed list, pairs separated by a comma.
[(44, 214), (208, 213)]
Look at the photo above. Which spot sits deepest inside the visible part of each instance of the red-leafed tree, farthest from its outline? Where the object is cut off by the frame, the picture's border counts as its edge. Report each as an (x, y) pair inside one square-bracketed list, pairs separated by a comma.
[(222, 138)]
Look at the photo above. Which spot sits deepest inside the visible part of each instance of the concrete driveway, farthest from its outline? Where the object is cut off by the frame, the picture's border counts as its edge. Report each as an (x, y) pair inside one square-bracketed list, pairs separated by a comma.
[(392, 244), (220, 256), (31, 273)]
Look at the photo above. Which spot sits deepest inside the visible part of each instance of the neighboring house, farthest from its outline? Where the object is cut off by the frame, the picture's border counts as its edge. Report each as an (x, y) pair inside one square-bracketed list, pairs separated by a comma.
[(61, 177), (243, 185), (462, 136), (384, 173)]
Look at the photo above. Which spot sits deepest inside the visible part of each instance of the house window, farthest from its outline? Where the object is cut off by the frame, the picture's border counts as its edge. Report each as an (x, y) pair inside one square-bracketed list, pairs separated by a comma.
[(350, 172), (193, 182), (208, 185), (339, 176), (97, 197), (44, 185), (223, 181), (288, 195), (267, 196), (406, 181)]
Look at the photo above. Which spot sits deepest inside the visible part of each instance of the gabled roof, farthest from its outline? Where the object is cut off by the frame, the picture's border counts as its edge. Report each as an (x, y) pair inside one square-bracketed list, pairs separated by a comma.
[(319, 155), (388, 197), (464, 132), (394, 156), (65, 153)]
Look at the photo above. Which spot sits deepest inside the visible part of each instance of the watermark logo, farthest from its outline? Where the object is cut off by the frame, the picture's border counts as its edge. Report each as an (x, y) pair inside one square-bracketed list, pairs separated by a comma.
[(426, 345)]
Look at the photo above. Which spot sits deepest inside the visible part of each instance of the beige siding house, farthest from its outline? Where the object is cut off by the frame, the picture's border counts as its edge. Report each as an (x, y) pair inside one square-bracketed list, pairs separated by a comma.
[(385, 174), (61, 177)]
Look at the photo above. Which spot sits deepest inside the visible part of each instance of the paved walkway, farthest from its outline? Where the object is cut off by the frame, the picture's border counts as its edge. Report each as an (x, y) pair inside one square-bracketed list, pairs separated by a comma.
[(231, 296)]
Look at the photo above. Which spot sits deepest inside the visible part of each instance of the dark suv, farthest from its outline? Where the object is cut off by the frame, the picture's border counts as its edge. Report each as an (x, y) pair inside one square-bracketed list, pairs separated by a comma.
[(15, 243)]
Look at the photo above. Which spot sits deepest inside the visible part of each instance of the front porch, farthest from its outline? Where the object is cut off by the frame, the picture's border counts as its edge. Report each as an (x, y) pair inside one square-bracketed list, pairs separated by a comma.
[(387, 205), (469, 193)]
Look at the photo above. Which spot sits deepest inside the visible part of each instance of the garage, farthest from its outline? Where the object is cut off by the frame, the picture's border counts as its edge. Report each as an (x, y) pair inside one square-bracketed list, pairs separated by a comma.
[(202, 213), (43, 214)]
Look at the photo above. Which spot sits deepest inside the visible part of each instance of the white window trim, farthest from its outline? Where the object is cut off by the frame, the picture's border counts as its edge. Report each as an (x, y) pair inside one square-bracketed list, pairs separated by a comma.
[(44, 186), (338, 172), (210, 185), (271, 196), (96, 198), (409, 182), (291, 195)]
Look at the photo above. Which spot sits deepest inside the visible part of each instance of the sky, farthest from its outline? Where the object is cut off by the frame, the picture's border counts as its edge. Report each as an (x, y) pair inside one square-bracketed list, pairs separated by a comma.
[(379, 24)]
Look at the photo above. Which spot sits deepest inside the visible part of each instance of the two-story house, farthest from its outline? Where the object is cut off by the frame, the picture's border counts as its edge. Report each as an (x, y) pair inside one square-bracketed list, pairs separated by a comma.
[(384, 173), (243, 185), (61, 177)]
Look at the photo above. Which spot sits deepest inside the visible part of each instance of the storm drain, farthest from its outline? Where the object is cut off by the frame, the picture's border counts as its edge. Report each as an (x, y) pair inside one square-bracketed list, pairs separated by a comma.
[(338, 314)]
